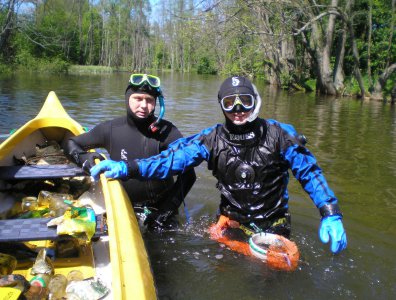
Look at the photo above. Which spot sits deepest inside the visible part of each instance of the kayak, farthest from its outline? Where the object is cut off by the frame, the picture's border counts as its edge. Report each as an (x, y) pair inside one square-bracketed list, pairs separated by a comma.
[(116, 257)]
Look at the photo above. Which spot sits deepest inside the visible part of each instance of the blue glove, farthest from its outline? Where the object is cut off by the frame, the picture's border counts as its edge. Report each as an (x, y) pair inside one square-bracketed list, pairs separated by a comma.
[(331, 227), (111, 169)]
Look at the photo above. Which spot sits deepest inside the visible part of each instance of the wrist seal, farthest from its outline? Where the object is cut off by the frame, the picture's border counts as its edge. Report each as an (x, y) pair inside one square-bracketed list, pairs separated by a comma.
[(330, 210)]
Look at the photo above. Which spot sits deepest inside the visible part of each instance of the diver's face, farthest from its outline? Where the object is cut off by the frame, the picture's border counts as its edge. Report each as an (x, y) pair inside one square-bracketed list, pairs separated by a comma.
[(238, 118), (142, 105)]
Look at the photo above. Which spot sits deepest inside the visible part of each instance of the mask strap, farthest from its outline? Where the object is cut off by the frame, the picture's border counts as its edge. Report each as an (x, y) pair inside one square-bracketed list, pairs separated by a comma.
[(257, 107)]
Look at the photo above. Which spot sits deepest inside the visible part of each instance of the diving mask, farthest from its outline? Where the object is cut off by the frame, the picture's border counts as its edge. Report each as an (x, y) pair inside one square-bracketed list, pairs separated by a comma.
[(139, 79), (229, 102)]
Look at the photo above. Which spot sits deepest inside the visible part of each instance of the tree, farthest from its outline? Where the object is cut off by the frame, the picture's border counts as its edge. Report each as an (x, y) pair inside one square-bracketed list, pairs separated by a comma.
[(7, 23)]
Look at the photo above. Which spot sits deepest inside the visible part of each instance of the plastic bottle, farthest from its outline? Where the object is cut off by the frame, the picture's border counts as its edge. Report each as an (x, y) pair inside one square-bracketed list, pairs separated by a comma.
[(57, 287)]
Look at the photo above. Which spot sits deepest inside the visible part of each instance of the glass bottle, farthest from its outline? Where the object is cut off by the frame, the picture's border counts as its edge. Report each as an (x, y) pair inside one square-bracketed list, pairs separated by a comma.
[(75, 275), (57, 286), (56, 202), (29, 204)]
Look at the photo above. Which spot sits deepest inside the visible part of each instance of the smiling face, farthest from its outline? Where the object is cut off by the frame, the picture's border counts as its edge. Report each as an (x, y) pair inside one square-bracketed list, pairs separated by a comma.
[(238, 118), (142, 105)]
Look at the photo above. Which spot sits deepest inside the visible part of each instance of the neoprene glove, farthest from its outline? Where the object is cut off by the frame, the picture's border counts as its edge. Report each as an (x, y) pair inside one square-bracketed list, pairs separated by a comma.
[(111, 169), (331, 228), (88, 159), (156, 220)]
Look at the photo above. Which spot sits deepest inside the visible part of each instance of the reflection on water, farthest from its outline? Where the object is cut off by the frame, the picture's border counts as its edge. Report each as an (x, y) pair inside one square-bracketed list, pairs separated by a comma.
[(354, 142)]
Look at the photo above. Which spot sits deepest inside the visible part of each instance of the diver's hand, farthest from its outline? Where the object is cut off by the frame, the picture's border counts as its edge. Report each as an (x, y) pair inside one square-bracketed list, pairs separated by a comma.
[(88, 160), (331, 228), (111, 169)]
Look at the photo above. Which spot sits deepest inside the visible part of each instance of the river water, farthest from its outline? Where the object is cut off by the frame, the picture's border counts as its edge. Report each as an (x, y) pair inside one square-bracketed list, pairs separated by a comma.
[(354, 142)]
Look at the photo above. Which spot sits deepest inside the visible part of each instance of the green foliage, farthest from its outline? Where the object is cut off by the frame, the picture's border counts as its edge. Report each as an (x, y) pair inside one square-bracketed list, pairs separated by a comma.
[(5, 69), (77, 69), (159, 55), (205, 66), (26, 61), (351, 86), (233, 37), (309, 85), (286, 80)]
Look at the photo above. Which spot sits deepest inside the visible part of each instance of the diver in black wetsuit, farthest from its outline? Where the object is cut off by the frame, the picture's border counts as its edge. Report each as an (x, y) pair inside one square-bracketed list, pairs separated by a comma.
[(139, 134)]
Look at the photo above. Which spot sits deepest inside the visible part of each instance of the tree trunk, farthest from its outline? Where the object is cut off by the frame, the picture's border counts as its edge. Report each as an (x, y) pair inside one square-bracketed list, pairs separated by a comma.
[(6, 28), (392, 28), (339, 62), (80, 33), (380, 84), (325, 83), (355, 52), (370, 25), (393, 94)]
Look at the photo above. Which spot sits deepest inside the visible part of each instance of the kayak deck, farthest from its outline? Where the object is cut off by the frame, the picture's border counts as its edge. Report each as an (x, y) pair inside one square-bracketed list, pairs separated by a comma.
[(21, 230)]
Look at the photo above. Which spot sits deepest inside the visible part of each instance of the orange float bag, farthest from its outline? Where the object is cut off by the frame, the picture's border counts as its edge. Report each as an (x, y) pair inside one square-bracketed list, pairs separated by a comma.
[(277, 251)]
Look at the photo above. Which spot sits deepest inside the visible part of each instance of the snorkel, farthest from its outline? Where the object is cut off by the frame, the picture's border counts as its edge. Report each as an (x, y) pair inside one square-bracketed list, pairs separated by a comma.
[(154, 126)]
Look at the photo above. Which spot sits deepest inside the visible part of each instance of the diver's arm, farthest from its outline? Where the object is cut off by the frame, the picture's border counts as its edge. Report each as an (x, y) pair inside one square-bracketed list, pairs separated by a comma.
[(305, 168), (307, 171), (178, 158), (76, 147)]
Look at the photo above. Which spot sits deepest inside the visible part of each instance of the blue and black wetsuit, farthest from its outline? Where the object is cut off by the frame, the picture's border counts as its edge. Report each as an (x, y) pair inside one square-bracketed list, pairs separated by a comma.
[(251, 168), (126, 138)]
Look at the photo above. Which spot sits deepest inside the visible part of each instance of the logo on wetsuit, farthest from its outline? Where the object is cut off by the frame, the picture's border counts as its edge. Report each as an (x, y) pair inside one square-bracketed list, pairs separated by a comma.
[(124, 154), (242, 137)]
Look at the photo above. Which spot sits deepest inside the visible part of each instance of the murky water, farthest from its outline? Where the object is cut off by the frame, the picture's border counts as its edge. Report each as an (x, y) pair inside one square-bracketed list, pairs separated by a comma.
[(354, 142)]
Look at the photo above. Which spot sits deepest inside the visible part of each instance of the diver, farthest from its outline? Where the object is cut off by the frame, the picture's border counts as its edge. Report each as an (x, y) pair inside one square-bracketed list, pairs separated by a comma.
[(137, 135), (250, 158)]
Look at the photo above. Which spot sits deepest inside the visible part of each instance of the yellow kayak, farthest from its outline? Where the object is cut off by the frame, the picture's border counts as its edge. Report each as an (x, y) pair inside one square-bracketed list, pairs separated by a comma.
[(119, 258)]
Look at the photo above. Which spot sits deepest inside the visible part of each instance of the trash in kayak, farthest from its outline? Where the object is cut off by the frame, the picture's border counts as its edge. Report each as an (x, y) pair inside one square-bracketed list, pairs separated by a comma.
[(58, 200), (15, 281), (78, 222), (8, 264)]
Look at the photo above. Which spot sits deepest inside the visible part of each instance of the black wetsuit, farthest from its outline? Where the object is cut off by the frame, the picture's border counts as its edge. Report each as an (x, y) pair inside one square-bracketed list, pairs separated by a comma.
[(251, 164), (125, 139)]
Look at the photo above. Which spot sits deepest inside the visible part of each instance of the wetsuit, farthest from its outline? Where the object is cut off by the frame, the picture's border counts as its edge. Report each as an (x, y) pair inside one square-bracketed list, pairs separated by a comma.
[(124, 138), (251, 168)]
